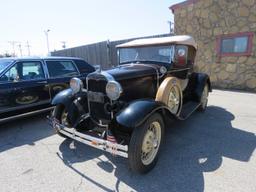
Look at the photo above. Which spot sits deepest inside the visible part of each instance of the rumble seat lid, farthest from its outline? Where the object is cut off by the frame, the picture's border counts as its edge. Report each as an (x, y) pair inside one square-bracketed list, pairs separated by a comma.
[(178, 39)]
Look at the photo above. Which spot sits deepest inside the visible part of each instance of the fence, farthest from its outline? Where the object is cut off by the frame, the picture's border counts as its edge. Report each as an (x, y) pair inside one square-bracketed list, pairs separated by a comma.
[(103, 53)]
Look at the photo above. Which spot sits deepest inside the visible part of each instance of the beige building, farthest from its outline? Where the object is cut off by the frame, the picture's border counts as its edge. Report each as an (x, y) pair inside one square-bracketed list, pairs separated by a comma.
[(225, 31)]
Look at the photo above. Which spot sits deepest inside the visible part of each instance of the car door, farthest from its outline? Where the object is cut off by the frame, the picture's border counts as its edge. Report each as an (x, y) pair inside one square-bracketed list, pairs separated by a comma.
[(23, 86), (59, 74)]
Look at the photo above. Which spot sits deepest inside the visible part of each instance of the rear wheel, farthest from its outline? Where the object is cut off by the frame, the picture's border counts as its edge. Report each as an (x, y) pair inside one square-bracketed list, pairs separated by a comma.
[(145, 144), (60, 113), (204, 98)]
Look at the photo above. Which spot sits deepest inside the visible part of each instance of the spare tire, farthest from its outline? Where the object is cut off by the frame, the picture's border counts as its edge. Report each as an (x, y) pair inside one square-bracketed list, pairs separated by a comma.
[(170, 93)]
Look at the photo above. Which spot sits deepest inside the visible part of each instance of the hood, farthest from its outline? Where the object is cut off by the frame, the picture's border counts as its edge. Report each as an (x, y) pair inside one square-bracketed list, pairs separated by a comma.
[(133, 71)]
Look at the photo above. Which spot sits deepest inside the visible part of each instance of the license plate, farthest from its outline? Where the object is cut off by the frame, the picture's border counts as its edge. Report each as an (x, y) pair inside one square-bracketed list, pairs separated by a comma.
[(96, 97)]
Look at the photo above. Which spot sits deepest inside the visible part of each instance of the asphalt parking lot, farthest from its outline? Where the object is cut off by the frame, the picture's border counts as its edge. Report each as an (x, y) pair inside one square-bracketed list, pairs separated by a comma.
[(211, 151)]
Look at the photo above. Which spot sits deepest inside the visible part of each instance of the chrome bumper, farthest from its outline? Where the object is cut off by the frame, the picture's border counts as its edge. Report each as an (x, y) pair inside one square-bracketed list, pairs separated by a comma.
[(102, 144)]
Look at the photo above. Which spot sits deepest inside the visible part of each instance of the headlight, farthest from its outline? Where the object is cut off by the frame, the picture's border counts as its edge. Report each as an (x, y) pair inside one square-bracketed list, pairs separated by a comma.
[(76, 85), (113, 90)]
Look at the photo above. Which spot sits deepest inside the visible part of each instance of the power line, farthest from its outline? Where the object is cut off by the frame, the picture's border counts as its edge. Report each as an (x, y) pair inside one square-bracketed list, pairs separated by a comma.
[(13, 43), (46, 32), (19, 45), (171, 26), (28, 47)]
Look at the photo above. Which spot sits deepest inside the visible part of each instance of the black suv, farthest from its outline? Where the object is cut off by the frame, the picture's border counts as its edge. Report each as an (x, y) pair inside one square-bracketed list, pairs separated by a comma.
[(27, 85)]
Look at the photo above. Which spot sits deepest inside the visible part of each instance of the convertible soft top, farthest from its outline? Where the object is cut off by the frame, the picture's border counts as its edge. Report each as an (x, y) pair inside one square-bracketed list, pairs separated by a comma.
[(178, 39)]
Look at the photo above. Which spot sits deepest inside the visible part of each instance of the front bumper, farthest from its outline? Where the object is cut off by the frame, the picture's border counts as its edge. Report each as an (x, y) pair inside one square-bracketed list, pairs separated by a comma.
[(99, 143)]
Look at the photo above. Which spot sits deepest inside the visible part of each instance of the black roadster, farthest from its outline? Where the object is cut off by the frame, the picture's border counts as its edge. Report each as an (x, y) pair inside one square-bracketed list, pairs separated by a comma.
[(124, 110)]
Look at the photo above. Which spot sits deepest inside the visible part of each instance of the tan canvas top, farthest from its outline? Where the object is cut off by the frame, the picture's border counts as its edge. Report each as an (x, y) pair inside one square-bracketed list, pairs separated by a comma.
[(179, 39)]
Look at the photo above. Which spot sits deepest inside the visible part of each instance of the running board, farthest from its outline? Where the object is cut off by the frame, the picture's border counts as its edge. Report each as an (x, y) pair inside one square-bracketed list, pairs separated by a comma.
[(102, 144), (188, 109)]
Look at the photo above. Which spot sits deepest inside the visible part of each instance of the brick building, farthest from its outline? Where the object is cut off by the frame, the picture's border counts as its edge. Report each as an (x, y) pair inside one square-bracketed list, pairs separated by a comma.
[(225, 31)]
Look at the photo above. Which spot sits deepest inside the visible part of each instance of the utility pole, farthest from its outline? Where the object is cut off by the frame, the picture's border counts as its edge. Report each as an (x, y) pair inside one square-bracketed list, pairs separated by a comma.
[(63, 44), (19, 45), (171, 27), (28, 47), (47, 40), (13, 43)]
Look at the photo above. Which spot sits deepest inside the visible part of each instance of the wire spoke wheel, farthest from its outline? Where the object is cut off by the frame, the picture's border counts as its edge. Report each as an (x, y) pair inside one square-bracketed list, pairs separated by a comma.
[(151, 143), (61, 115), (204, 98), (64, 118), (145, 144), (174, 100)]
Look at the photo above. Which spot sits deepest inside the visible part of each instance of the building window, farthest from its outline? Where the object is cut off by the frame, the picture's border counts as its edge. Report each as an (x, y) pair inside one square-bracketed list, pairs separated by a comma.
[(238, 44)]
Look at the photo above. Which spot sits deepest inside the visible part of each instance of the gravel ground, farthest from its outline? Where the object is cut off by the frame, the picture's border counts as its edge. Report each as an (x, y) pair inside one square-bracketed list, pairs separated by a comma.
[(211, 151)]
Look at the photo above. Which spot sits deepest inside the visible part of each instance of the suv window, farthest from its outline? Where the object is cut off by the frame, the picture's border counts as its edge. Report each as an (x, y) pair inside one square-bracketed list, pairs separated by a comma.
[(61, 69), (10, 75), (24, 71), (31, 71), (84, 67)]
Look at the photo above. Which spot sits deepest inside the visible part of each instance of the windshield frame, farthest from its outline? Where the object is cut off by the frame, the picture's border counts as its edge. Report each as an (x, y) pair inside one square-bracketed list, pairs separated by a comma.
[(6, 67), (172, 48)]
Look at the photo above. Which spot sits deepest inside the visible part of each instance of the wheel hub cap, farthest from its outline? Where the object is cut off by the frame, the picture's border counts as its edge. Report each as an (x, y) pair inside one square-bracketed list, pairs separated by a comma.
[(174, 100), (151, 143)]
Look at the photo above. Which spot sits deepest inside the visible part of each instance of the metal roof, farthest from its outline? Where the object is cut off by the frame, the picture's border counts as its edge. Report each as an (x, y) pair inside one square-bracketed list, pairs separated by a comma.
[(178, 39)]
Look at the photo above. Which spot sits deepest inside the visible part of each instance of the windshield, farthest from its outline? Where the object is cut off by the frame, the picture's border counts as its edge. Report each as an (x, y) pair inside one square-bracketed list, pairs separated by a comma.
[(4, 64), (158, 54)]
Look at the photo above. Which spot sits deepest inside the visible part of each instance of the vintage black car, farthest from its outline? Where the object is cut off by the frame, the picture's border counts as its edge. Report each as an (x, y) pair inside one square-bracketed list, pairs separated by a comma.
[(27, 85), (124, 110)]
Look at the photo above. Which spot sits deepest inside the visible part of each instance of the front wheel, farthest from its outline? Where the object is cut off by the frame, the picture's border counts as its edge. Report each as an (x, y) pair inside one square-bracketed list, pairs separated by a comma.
[(60, 113), (145, 144)]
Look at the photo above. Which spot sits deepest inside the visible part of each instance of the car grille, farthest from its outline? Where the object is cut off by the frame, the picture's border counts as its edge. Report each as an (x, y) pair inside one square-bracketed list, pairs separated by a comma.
[(98, 100), (97, 85)]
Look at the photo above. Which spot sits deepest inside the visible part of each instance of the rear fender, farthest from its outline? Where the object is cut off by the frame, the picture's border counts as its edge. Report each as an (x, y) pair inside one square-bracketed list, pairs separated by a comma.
[(201, 80), (137, 112)]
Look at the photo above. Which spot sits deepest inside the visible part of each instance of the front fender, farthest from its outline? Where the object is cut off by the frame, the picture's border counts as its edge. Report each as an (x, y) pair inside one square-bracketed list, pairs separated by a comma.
[(137, 112), (64, 97)]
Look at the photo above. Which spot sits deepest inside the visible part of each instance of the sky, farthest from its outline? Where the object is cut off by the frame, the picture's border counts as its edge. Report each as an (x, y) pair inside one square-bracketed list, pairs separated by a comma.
[(78, 22)]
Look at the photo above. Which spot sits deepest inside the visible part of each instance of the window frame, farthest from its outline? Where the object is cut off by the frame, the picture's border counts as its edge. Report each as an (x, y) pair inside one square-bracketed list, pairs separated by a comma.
[(248, 51)]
